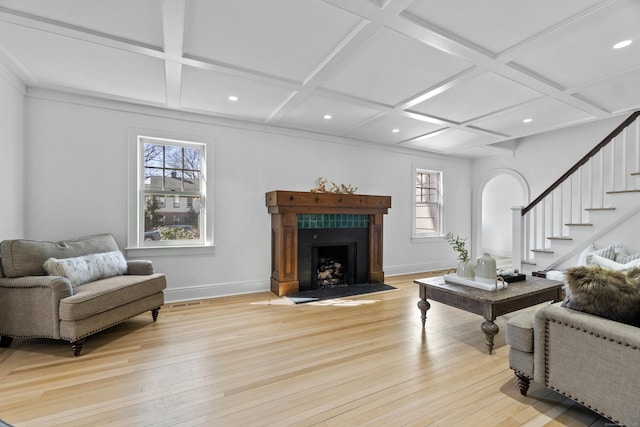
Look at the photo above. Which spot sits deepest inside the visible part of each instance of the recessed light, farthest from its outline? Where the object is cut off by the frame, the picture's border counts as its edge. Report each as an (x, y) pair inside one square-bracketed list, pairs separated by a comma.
[(622, 44), (233, 98), (327, 116), (395, 130), (527, 120)]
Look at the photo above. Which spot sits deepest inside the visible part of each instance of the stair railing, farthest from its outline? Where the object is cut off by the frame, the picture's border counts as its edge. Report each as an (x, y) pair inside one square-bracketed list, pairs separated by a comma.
[(582, 188)]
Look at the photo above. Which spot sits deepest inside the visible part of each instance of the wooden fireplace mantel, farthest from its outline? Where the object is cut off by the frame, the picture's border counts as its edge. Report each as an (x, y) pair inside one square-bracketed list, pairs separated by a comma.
[(284, 207)]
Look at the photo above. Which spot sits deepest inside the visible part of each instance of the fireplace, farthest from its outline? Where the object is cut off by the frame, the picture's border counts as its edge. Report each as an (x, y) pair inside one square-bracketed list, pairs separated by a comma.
[(307, 227), (337, 256)]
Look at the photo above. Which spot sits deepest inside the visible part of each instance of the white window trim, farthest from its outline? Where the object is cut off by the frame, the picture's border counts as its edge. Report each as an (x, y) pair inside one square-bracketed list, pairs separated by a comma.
[(136, 247), (426, 236)]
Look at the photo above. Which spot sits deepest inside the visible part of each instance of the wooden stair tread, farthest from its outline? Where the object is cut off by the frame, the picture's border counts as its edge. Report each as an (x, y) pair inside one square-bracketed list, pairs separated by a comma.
[(600, 209), (623, 191), (582, 224), (545, 251), (635, 174), (559, 238)]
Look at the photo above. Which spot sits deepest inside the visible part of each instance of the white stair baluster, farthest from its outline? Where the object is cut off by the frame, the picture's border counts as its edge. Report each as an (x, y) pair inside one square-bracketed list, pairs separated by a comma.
[(571, 199), (580, 219), (602, 190), (625, 180), (551, 232), (590, 185), (637, 145), (612, 165)]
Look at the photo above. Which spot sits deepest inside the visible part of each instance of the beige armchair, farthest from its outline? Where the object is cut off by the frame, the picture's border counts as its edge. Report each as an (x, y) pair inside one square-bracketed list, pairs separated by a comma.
[(93, 288)]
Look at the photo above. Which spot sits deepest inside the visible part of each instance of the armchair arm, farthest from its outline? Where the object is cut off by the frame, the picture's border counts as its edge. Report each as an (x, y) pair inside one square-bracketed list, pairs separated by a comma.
[(139, 267), (593, 360), (29, 306)]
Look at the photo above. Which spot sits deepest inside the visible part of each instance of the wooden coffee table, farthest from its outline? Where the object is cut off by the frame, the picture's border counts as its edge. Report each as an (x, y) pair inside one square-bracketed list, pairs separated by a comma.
[(488, 304)]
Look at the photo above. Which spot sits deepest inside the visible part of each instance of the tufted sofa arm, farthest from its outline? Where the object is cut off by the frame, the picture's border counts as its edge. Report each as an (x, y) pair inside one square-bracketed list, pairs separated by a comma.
[(592, 360), (31, 304)]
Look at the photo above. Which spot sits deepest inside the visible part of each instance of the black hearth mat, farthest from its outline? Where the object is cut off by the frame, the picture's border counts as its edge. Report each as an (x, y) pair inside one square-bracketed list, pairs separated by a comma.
[(338, 292)]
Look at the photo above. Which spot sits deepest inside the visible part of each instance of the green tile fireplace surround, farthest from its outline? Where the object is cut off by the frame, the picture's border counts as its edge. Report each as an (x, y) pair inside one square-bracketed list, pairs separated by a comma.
[(310, 221)]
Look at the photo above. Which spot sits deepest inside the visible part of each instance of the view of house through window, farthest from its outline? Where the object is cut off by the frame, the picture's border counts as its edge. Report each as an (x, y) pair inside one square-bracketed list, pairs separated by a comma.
[(428, 203), (172, 192)]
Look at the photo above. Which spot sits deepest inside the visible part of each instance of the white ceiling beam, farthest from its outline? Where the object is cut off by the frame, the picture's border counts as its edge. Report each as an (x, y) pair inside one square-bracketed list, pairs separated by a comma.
[(173, 27), (586, 17), (489, 63), (78, 33), (358, 37), (420, 31)]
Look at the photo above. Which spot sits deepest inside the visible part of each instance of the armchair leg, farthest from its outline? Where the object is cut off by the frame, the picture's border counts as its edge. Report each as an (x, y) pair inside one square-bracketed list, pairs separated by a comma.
[(76, 347), (5, 341), (523, 383), (154, 313)]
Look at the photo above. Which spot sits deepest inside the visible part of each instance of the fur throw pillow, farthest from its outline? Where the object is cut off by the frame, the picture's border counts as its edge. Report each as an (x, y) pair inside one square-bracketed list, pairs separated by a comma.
[(87, 268), (606, 293)]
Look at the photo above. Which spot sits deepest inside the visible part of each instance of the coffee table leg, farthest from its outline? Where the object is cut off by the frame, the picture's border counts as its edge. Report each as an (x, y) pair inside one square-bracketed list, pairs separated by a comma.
[(490, 330), (423, 305)]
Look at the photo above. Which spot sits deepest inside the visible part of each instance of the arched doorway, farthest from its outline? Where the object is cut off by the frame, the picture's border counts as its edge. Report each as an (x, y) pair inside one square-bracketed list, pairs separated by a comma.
[(499, 192)]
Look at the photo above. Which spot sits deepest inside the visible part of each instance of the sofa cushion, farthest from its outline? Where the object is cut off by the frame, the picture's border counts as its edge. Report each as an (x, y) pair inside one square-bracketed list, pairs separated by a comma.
[(26, 257), (627, 258), (87, 268), (613, 265), (603, 292), (102, 295), (519, 332)]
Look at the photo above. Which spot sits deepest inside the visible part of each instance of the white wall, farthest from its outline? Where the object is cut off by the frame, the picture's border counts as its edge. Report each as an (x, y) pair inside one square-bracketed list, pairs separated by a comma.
[(77, 185), (541, 160), (12, 164)]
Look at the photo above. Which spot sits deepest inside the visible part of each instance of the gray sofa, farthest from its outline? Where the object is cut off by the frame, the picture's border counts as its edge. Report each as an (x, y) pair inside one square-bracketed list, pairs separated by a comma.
[(72, 306), (590, 359)]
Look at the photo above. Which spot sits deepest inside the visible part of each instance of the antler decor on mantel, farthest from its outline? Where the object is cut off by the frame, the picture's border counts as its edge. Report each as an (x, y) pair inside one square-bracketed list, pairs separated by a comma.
[(321, 187)]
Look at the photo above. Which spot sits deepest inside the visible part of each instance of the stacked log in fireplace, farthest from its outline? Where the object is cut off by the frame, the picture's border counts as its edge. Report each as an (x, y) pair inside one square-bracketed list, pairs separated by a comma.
[(330, 273)]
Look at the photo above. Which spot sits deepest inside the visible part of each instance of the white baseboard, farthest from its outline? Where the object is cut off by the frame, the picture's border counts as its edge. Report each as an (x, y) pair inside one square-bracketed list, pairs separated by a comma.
[(398, 270), (190, 293)]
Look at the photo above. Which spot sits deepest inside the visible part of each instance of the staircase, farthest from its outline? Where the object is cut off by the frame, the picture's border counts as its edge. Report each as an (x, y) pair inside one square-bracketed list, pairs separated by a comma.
[(596, 200)]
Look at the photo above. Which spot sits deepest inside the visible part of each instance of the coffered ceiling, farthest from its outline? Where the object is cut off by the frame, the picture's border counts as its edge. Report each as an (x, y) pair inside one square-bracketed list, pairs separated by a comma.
[(457, 77)]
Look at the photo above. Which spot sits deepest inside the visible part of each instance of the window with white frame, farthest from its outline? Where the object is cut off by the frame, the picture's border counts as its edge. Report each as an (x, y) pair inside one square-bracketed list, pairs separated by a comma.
[(171, 188), (427, 203)]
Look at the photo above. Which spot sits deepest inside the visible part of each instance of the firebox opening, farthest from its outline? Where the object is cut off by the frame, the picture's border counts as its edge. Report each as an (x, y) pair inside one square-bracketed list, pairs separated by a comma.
[(333, 267), (347, 246)]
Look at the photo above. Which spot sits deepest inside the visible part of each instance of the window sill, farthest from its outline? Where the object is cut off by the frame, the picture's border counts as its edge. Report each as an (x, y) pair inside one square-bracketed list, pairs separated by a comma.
[(152, 251), (426, 239)]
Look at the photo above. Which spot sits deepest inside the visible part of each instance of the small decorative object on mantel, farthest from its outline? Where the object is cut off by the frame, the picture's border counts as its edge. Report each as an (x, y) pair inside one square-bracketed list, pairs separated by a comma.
[(321, 187), (465, 266), (486, 269)]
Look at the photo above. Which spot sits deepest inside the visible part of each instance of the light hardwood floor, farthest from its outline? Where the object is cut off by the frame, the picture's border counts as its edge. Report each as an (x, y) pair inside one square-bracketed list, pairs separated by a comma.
[(248, 361)]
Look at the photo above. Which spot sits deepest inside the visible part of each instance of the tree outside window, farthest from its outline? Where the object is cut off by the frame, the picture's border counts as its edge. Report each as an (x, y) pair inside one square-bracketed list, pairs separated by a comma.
[(173, 173)]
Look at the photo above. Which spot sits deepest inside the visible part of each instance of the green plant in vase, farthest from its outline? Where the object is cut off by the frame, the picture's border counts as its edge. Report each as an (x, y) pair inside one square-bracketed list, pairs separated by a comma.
[(465, 266)]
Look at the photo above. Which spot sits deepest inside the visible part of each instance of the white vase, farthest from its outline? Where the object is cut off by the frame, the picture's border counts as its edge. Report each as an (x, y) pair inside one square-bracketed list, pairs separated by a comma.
[(466, 269), (486, 269)]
